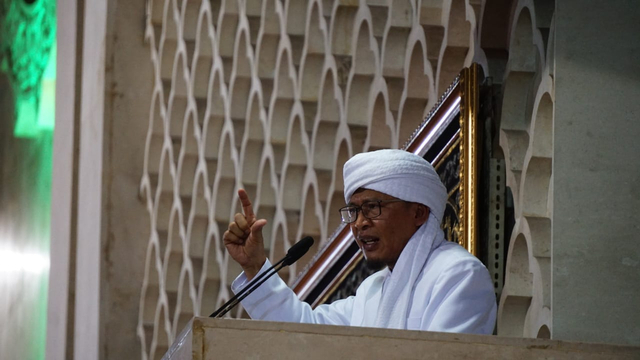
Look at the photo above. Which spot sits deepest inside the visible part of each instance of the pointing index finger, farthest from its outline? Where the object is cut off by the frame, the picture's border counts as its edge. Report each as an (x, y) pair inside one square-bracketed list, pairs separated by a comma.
[(247, 209)]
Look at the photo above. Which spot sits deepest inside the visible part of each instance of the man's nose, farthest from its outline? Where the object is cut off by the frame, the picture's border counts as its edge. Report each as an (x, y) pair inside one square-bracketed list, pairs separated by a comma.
[(361, 222)]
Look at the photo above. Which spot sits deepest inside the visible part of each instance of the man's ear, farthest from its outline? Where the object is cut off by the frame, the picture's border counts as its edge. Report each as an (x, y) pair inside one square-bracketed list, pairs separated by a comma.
[(422, 214)]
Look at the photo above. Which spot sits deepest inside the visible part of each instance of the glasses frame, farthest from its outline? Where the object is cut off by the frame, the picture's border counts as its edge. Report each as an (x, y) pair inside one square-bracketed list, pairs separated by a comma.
[(359, 209)]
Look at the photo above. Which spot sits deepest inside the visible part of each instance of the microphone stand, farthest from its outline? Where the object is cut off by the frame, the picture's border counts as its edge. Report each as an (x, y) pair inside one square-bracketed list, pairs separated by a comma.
[(257, 281)]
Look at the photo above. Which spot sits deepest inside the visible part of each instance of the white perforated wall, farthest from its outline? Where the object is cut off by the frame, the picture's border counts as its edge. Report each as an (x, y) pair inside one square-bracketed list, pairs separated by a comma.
[(274, 96), (526, 138)]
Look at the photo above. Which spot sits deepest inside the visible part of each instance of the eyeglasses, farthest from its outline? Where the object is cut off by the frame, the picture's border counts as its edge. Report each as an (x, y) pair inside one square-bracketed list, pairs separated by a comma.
[(370, 210)]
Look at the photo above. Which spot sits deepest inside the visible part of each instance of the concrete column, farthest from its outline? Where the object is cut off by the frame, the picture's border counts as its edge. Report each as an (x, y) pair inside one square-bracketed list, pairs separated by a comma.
[(128, 88), (100, 227), (61, 299), (596, 172), (90, 227)]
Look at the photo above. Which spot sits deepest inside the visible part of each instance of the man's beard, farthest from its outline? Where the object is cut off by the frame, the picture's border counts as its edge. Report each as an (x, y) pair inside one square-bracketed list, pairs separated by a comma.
[(374, 265)]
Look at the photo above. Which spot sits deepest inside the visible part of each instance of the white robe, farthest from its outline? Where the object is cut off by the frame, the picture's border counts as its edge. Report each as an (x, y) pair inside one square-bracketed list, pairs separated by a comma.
[(453, 293)]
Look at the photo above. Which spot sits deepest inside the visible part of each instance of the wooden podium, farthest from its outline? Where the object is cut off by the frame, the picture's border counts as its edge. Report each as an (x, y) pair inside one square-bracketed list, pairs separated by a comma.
[(208, 338)]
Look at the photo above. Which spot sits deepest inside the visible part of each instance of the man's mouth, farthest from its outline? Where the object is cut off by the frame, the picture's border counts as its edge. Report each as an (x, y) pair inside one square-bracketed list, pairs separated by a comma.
[(368, 241)]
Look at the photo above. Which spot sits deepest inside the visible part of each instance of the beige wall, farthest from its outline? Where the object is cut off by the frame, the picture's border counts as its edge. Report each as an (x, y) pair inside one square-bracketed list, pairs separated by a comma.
[(128, 86), (99, 231), (596, 257)]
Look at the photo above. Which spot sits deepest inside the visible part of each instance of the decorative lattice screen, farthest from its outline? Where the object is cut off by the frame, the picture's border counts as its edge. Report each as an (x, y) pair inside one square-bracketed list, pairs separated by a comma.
[(526, 138), (274, 96)]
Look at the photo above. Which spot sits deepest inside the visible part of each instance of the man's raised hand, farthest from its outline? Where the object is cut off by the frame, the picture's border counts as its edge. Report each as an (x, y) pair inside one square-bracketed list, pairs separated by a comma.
[(244, 240)]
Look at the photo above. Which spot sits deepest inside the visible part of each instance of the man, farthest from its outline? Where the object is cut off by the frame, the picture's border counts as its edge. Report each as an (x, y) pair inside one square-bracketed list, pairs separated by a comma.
[(395, 203)]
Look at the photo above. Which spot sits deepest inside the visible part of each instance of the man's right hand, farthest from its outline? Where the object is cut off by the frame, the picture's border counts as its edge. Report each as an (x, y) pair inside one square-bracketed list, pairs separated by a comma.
[(243, 238)]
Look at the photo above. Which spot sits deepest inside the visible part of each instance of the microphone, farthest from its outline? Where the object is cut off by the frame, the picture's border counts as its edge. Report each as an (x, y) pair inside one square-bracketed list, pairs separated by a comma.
[(298, 250), (294, 254)]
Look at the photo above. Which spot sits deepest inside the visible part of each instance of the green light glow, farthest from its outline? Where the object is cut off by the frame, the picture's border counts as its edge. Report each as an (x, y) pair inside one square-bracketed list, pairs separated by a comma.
[(38, 114), (28, 57), (47, 109)]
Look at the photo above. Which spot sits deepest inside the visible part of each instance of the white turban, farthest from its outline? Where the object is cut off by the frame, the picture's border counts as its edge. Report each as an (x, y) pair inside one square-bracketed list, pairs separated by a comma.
[(398, 173)]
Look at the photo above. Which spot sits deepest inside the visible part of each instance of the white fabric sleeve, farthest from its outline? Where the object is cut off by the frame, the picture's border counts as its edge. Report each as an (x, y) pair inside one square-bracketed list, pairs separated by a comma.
[(275, 301), (462, 301)]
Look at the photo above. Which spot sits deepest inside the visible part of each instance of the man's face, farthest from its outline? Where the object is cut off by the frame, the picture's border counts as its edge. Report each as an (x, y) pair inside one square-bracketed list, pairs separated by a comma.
[(382, 238)]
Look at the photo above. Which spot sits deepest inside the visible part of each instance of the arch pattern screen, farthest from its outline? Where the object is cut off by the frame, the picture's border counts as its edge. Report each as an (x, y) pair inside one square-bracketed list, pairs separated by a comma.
[(274, 96)]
